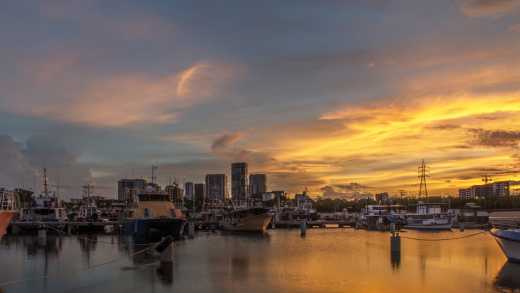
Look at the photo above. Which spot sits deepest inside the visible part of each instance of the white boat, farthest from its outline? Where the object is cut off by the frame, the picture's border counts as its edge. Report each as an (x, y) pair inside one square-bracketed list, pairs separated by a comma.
[(429, 216), (379, 217), (45, 208), (509, 241), (89, 212)]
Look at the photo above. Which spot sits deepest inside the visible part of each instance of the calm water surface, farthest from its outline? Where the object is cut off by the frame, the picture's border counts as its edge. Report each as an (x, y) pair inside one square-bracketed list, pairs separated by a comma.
[(333, 260)]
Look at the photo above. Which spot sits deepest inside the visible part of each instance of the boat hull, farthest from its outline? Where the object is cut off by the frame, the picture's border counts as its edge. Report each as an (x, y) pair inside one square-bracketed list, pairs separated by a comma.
[(433, 227), (510, 244), (251, 223), (152, 230), (5, 219)]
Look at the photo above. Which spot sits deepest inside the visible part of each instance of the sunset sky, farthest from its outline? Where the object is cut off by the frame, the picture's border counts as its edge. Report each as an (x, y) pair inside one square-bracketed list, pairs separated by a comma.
[(340, 96)]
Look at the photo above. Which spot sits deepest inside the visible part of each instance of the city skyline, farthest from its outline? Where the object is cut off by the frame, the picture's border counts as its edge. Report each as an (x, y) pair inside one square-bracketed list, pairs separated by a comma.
[(342, 97)]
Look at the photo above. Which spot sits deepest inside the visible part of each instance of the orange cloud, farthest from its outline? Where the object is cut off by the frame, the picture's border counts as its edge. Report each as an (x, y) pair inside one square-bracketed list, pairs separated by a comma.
[(204, 79), (383, 142), (479, 8), (125, 99)]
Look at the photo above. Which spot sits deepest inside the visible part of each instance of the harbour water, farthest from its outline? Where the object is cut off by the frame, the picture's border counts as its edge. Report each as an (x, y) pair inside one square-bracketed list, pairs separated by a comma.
[(325, 260)]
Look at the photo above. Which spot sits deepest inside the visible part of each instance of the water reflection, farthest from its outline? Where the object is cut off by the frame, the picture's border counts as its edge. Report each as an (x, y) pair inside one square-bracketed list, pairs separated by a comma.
[(49, 247), (395, 260), (509, 277), (146, 258), (324, 261), (165, 273)]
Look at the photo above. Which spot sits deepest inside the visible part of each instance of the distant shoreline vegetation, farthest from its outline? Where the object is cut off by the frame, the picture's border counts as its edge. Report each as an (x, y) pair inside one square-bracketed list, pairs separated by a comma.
[(329, 205)]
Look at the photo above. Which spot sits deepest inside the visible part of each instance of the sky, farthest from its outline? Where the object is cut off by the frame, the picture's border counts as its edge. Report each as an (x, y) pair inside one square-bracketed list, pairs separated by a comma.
[(342, 97)]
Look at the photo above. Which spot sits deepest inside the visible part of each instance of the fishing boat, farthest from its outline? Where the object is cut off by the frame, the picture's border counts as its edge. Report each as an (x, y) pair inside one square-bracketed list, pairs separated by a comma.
[(254, 220), (7, 210), (154, 217), (472, 216), (44, 208), (88, 213), (429, 216), (379, 217)]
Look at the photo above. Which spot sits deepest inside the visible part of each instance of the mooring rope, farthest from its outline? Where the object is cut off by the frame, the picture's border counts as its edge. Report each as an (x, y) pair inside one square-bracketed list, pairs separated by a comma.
[(444, 239)]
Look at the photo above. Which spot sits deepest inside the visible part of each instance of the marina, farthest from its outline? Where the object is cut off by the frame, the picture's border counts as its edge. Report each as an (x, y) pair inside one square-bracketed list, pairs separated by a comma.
[(260, 146)]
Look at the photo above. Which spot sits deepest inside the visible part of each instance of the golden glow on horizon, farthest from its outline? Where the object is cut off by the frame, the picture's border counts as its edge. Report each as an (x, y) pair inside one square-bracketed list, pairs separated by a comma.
[(394, 137)]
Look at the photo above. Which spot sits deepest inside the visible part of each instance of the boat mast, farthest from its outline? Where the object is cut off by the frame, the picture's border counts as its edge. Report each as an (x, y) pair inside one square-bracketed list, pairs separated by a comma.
[(45, 183), (154, 168)]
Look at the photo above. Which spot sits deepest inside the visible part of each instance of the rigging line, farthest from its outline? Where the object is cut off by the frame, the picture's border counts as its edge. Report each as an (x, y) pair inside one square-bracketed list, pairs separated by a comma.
[(444, 239)]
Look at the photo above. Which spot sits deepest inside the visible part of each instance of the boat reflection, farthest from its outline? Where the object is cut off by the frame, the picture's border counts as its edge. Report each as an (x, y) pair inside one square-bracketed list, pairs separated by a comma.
[(509, 277), (395, 260), (150, 260), (50, 246)]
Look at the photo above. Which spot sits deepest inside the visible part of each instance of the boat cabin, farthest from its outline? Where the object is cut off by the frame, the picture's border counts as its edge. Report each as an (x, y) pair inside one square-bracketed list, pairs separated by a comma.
[(431, 208), (245, 212), (155, 205), (383, 209)]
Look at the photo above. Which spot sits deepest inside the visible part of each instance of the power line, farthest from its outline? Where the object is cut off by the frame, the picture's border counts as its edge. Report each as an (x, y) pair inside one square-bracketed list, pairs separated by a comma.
[(486, 178)]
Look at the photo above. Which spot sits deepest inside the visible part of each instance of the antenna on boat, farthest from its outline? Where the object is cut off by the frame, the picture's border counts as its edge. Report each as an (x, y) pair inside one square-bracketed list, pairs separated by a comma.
[(424, 172), (154, 168), (45, 183)]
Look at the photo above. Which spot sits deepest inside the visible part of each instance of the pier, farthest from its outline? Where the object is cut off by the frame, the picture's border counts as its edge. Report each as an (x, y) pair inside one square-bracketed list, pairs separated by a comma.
[(316, 224)]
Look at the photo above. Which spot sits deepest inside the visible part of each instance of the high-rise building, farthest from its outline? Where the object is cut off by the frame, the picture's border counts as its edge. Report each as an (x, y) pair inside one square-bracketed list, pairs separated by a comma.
[(467, 193), (128, 189), (257, 185), (239, 181), (174, 191), (199, 195), (495, 189), (188, 190), (216, 186)]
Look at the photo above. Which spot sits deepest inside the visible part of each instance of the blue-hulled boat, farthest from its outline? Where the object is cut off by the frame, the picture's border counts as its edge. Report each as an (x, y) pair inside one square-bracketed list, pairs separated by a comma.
[(154, 217)]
